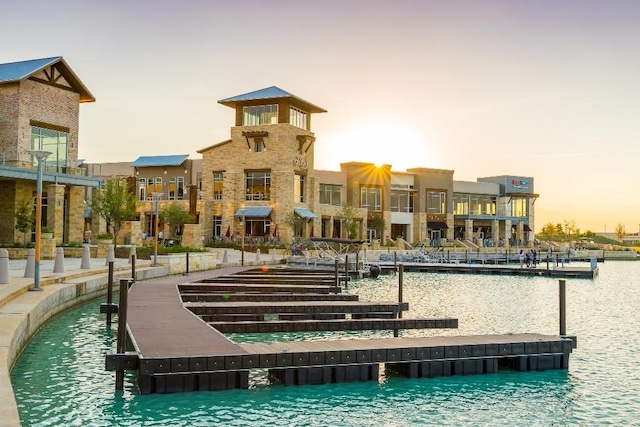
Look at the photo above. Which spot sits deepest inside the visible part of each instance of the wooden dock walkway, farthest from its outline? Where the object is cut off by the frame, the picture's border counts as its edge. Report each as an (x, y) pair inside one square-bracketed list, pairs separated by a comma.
[(176, 350)]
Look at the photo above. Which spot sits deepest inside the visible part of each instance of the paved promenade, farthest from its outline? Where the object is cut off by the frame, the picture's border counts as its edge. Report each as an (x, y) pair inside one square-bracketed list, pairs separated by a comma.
[(19, 307)]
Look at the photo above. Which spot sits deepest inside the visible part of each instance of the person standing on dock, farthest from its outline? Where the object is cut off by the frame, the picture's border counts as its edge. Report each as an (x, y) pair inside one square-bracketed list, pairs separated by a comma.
[(521, 258)]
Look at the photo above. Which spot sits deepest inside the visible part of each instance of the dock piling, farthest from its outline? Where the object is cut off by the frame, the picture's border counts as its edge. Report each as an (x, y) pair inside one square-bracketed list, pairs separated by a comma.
[(122, 327), (400, 280), (563, 307)]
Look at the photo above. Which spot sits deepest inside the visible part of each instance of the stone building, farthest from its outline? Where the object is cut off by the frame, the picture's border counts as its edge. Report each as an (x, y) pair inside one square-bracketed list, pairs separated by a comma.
[(39, 110), (264, 174)]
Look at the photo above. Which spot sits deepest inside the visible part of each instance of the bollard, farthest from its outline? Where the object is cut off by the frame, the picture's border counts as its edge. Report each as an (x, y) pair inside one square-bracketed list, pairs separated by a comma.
[(30, 269), (132, 253), (132, 260), (4, 266), (58, 265), (273, 254), (225, 256), (258, 254), (563, 306), (336, 270), (186, 273), (111, 255), (86, 257)]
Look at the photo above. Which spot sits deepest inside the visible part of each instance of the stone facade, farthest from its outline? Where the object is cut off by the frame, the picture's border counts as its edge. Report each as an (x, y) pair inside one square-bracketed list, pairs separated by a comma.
[(46, 96)]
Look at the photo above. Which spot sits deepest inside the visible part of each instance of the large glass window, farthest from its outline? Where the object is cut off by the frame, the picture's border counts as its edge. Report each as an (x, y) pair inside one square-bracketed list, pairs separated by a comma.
[(53, 141), (298, 189), (260, 115), (297, 118), (258, 185), (401, 201), (519, 207), (474, 204), (217, 185), (331, 194), (371, 198), (436, 202)]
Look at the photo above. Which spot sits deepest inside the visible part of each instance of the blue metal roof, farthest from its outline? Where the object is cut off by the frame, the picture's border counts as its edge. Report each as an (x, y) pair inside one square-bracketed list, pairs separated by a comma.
[(304, 213), (254, 211), (16, 71), (269, 92), (272, 92), (149, 161)]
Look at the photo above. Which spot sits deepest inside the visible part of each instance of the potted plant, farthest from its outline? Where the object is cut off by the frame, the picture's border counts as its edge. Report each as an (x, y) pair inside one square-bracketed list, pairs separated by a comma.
[(105, 238), (46, 233)]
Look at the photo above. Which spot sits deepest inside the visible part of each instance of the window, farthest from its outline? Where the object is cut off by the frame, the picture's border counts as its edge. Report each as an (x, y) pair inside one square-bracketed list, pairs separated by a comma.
[(260, 115), (172, 188), (217, 185), (297, 118), (258, 185), (331, 194), (519, 207), (258, 145), (217, 226), (180, 195), (158, 186), (436, 202), (199, 184), (474, 204), (371, 198), (142, 189), (401, 201), (298, 188), (53, 141)]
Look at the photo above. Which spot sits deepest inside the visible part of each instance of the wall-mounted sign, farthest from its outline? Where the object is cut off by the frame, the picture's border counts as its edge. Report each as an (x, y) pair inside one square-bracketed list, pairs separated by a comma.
[(300, 162), (519, 183)]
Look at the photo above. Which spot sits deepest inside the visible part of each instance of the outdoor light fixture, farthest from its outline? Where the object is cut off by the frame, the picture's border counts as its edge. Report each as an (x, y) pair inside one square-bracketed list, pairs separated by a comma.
[(156, 198), (40, 156)]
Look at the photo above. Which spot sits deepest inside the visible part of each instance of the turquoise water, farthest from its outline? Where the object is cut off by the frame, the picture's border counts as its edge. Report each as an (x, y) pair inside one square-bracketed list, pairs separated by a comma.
[(59, 380)]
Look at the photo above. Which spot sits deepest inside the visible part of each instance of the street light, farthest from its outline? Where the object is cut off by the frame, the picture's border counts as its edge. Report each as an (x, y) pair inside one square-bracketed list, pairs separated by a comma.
[(156, 198), (40, 156), (243, 233)]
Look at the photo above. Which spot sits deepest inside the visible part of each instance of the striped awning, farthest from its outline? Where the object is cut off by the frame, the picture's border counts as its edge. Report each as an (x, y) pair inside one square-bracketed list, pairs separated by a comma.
[(254, 211), (304, 213), (438, 225)]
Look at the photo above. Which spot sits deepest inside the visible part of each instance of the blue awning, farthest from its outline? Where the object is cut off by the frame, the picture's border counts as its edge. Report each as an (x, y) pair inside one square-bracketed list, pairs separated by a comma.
[(305, 213), (254, 211)]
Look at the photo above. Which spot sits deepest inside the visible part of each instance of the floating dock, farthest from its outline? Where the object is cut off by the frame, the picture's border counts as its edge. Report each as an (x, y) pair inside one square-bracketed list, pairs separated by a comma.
[(175, 326)]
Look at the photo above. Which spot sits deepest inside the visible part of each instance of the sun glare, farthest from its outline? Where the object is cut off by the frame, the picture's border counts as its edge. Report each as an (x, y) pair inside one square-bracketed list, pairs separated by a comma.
[(379, 143)]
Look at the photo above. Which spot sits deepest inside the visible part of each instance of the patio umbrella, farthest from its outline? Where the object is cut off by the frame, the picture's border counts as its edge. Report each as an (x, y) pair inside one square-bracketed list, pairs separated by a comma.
[(228, 233), (275, 231)]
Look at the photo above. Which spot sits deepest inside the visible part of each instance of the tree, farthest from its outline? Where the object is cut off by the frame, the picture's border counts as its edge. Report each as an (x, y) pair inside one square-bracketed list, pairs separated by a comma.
[(349, 218), (296, 222), (549, 229), (176, 215), (620, 232), (116, 204), (25, 219), (376, 223)]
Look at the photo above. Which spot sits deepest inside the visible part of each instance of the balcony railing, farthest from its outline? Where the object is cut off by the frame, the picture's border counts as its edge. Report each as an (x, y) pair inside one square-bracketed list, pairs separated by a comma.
[(47, 168)]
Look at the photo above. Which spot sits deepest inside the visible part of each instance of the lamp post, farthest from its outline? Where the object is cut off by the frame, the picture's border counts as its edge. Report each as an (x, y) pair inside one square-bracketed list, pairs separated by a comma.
[(243, 233), (156, 198), (40, 156)]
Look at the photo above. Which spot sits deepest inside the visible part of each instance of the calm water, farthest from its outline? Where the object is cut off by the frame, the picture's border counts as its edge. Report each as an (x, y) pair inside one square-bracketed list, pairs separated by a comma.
[(60, 380)]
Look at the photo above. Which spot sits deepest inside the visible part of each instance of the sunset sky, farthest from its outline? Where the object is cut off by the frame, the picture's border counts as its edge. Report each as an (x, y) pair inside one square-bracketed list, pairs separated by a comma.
[(548, 89)]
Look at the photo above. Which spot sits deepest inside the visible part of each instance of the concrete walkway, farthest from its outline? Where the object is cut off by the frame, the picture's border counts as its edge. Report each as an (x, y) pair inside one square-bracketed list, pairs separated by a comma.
[(23, 312)]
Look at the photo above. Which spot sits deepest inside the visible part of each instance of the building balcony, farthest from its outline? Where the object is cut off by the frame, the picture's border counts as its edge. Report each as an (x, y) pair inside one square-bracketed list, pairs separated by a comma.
[(66, 175)]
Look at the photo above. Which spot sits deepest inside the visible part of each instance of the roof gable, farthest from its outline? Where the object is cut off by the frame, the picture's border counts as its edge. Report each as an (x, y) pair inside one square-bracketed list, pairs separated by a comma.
[(272, 92), (150, 161), (53, 71)]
